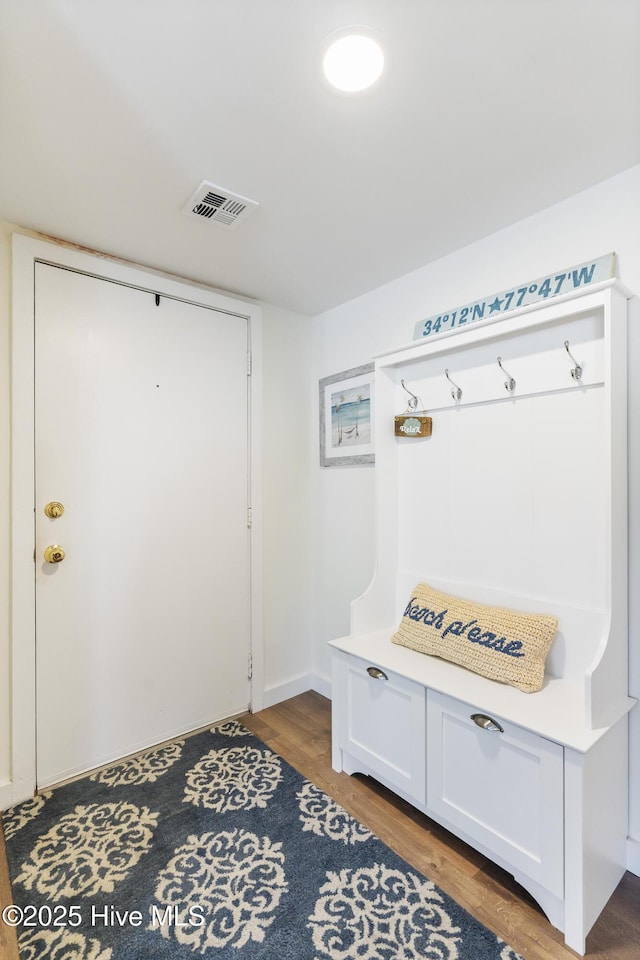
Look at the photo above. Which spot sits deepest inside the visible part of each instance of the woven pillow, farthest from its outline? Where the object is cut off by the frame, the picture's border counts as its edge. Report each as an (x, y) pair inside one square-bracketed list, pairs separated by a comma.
[(501, 644)]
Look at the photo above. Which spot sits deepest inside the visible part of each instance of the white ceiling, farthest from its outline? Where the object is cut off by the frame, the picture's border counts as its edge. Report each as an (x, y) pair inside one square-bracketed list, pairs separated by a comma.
[(113, 111)]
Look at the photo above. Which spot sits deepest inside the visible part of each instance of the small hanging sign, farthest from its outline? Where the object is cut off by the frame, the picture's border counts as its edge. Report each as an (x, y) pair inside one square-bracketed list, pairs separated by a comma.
[(553, 285), (413, 425)]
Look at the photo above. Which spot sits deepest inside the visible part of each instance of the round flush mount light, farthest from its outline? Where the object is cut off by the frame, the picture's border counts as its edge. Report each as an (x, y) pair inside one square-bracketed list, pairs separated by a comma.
[(353, 60)]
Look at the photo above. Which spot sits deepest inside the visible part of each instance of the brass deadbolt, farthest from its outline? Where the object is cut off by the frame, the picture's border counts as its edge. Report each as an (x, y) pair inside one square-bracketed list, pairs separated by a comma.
[(54, 554), (54, 509)]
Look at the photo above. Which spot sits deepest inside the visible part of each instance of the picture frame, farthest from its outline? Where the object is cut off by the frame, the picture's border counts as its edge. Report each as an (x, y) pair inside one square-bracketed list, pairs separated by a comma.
[(346, 417)]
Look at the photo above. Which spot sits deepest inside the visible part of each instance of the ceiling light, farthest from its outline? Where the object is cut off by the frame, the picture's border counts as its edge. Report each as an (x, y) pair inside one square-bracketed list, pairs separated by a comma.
[(353, 61)]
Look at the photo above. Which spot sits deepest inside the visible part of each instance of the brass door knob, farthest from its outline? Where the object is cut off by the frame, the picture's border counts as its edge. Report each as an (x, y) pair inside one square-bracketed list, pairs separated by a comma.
[(54, 509), (54, 554)]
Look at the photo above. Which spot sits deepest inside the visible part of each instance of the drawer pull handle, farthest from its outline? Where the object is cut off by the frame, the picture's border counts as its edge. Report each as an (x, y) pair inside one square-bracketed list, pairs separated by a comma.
[(376, 673), (486, 722)]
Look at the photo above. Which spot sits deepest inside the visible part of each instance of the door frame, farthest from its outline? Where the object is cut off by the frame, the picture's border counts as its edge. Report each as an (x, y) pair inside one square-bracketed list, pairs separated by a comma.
[(27, 251)]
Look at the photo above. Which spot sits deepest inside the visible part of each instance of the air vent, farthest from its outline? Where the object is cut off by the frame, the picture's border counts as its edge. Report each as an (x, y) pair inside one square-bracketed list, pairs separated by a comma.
[(217, 205)]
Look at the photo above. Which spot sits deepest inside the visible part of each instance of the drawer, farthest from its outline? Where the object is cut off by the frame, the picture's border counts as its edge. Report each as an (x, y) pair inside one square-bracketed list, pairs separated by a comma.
[(501, 788), (379, 721)]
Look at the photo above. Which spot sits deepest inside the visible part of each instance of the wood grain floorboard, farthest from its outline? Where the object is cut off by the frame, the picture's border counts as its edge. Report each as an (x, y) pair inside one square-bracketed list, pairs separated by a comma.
[(299, 730), (8, 936)]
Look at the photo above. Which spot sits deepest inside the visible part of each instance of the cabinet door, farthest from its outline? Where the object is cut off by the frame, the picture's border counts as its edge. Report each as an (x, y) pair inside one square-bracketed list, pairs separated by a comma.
[(379, 725), (502, 788)]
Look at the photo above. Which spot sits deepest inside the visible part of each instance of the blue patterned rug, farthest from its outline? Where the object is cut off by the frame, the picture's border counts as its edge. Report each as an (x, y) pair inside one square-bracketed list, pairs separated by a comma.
[(214, 847)]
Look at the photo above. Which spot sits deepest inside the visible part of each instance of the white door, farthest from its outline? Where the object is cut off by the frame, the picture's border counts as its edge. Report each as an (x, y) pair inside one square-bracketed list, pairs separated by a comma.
[(143, 629)]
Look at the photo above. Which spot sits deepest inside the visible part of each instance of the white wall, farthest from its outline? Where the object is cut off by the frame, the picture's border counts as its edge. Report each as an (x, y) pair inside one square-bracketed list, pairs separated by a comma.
[(287, 506), (602, 219), (5, 526)]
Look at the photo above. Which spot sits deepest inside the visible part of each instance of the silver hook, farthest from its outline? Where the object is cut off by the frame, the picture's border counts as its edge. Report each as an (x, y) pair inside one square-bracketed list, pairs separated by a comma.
[(456, 393), (576, 371), (413, 402), (509, 383)]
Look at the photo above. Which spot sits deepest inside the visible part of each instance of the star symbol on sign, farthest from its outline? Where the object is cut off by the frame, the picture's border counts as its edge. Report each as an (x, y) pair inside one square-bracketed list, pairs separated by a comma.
[(497, 303)]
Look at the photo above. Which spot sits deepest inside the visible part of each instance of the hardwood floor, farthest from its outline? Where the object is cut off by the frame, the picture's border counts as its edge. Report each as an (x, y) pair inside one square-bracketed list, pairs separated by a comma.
[(8, 937), (300, 731)]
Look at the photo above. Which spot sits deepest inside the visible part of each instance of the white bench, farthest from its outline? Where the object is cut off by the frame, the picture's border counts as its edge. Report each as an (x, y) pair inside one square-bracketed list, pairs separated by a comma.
[(516, 500)]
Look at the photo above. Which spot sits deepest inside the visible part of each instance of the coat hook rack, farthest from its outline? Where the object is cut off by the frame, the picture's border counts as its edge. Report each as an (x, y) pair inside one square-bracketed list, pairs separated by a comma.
[(456, 391), (576, 372), (413, 422), (413, 401), (509, 383)]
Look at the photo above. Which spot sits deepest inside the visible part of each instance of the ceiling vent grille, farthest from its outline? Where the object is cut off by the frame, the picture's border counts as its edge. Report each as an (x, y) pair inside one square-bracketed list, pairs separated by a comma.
[(218, 205)]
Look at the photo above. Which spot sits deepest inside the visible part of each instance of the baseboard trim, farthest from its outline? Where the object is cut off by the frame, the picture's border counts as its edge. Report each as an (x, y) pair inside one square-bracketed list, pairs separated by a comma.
[(633, 856), (284, 691), (294, 687), (8, 795), (321, 685)]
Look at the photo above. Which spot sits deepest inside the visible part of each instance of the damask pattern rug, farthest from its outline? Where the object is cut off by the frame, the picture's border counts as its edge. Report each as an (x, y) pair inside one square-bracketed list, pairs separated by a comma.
[(214, 847)]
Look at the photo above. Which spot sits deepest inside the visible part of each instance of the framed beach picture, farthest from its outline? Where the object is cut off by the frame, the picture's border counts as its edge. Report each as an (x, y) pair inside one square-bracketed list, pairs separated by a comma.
[(346, 417)]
